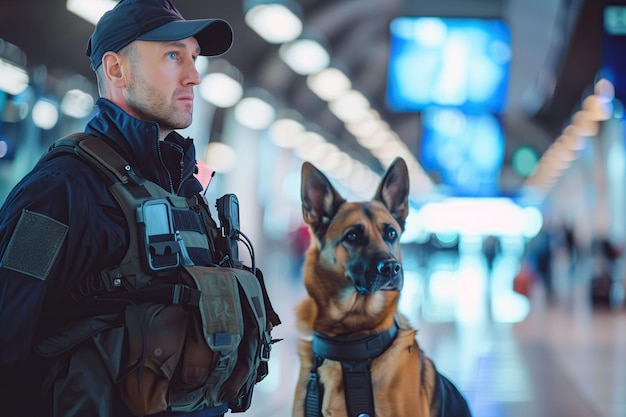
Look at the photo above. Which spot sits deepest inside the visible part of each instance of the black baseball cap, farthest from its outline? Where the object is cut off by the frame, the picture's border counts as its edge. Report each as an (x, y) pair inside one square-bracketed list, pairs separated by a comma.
[(154, 20)]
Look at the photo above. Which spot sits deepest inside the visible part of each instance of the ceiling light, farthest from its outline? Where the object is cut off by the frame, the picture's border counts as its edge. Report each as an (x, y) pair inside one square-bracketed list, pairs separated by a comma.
[(308, 140), (599, 109), (331, 160), (305, 56), (77, 104), (350, 107), (13, 79), (584, 124), (220, 90), (222, 86), (345, 168), (254, 113), (284, 132), (375, 140), (605, 89), (389, 151), (13, 76), (329, 83), (275, 21), (572, 139), (320, 151), (45, 114), (4, 148), (367, 125), (220, 157), (90, 10)]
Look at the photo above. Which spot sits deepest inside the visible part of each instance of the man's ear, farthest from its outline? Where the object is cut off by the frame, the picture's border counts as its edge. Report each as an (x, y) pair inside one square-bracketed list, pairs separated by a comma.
[(114, 68)]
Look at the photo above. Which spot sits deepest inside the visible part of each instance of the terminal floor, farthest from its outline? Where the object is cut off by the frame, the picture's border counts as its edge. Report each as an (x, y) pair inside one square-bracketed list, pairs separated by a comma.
[(510, 356)]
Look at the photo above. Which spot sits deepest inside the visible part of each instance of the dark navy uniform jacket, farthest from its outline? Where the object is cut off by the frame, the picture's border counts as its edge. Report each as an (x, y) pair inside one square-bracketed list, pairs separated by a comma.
[(60, 224)]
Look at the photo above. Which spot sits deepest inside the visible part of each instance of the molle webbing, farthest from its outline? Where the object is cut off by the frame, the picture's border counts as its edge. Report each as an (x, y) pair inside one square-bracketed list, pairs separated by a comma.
[(130, 191)]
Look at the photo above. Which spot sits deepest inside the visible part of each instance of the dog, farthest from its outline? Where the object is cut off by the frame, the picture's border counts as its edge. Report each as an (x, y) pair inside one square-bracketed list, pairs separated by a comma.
[(359, 356)]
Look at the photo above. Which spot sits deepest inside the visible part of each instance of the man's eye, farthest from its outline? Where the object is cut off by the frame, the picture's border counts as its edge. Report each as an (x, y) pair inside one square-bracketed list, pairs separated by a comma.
[(172, 55)]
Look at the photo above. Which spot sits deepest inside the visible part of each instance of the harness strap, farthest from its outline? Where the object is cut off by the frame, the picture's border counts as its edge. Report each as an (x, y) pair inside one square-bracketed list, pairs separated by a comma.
[(354, 348), (357, 384), (355, 354), (313, 399)]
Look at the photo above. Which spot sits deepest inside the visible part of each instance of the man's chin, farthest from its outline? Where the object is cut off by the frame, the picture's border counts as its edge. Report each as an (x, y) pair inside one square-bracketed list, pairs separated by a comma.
[(182, 122)]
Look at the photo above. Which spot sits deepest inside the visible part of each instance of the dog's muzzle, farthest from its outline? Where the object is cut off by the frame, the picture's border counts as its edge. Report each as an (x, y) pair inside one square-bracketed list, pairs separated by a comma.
[(385, 275)]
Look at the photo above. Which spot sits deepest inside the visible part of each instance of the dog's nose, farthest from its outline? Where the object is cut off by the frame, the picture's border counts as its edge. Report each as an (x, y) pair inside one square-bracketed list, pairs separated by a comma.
[(388, 268)]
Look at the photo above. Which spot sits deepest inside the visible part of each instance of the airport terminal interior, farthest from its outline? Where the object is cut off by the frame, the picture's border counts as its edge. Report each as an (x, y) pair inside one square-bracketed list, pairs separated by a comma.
[(509, 114)]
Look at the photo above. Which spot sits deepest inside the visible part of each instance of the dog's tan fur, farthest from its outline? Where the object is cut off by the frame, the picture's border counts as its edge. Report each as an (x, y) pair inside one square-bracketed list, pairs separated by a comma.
[(403, 380)]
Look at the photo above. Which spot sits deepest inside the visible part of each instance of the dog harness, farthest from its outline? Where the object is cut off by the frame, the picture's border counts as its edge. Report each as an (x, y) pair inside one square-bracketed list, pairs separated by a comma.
[(355, 353)]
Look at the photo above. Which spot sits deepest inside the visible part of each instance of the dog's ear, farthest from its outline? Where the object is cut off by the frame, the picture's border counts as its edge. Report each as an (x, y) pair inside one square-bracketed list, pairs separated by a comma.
[(393, 190), (320, 200)]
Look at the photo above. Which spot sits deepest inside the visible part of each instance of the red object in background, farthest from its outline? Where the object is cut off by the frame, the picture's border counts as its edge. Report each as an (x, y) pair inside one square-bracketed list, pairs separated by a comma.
[(300, 240), (524, 280), (205, 174)]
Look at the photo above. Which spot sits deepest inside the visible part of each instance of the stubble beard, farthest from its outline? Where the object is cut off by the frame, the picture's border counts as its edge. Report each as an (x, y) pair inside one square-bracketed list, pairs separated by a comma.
[(149, 104)]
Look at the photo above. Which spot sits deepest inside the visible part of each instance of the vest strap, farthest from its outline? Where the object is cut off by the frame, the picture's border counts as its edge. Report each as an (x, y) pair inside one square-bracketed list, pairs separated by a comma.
[(166, 294)]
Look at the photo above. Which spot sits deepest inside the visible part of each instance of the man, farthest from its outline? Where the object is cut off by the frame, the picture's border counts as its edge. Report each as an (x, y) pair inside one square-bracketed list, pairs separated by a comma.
[(60, 225)]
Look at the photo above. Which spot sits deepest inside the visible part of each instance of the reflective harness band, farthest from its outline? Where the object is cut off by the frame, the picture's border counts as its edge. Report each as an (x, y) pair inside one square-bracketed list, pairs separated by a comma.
[(355, 354)]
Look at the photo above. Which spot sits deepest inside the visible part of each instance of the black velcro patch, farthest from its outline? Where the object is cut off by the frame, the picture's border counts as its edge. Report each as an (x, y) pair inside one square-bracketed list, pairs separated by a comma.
[(35, 244)]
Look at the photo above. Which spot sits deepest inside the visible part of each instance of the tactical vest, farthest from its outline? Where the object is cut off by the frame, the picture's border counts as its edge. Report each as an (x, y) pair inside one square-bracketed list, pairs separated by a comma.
[(197, 321)]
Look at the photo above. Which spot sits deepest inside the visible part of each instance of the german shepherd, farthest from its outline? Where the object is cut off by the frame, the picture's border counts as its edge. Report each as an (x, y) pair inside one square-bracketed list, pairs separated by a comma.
[(358, 354)]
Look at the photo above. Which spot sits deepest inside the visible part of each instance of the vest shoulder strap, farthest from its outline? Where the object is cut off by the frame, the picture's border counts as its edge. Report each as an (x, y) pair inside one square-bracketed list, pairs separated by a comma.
[(100, 153)]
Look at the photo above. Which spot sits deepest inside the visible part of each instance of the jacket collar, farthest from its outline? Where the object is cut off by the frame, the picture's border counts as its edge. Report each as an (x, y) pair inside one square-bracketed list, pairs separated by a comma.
[(168, 163)]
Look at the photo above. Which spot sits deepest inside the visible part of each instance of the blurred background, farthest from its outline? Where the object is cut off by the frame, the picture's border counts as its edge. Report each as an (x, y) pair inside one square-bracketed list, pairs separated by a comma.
[(509, 114)]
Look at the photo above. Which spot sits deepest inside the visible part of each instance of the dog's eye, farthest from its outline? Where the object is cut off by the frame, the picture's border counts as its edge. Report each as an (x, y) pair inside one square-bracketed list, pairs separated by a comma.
[(353, 236), (390, 234)]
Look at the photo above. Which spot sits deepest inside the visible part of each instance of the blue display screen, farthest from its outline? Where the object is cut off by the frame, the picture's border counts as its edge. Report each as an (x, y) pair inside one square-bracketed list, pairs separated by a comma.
[(464, 152), (450, 62)]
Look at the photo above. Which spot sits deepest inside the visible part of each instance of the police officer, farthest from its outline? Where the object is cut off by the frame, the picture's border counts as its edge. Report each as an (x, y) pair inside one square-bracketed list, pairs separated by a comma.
[(60, 224)]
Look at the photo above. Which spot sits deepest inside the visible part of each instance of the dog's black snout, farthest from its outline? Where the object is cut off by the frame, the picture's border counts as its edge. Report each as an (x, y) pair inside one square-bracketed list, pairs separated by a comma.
[(389, 268)]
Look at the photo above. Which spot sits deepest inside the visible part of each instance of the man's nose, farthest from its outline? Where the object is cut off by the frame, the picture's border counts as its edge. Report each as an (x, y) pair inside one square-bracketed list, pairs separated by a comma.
[(193, 75)]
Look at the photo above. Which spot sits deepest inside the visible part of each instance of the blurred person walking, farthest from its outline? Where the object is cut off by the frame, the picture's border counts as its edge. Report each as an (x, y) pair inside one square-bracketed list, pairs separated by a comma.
[(491, 249)]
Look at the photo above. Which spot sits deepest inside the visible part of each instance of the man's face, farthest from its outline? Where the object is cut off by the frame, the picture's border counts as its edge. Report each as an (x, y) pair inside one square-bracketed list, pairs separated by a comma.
[(161, 82)]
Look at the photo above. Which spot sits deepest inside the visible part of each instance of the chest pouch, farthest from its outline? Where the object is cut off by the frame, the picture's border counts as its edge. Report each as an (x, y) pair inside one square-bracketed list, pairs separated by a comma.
[(226, 344)]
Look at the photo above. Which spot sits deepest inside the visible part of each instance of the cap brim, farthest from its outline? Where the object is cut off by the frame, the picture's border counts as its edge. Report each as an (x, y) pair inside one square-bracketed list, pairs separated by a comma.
[(215, 36)]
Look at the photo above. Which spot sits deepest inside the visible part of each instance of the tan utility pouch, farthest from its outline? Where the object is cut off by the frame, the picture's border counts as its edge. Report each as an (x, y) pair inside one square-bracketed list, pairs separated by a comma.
[(156, 336), (180, 360)]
